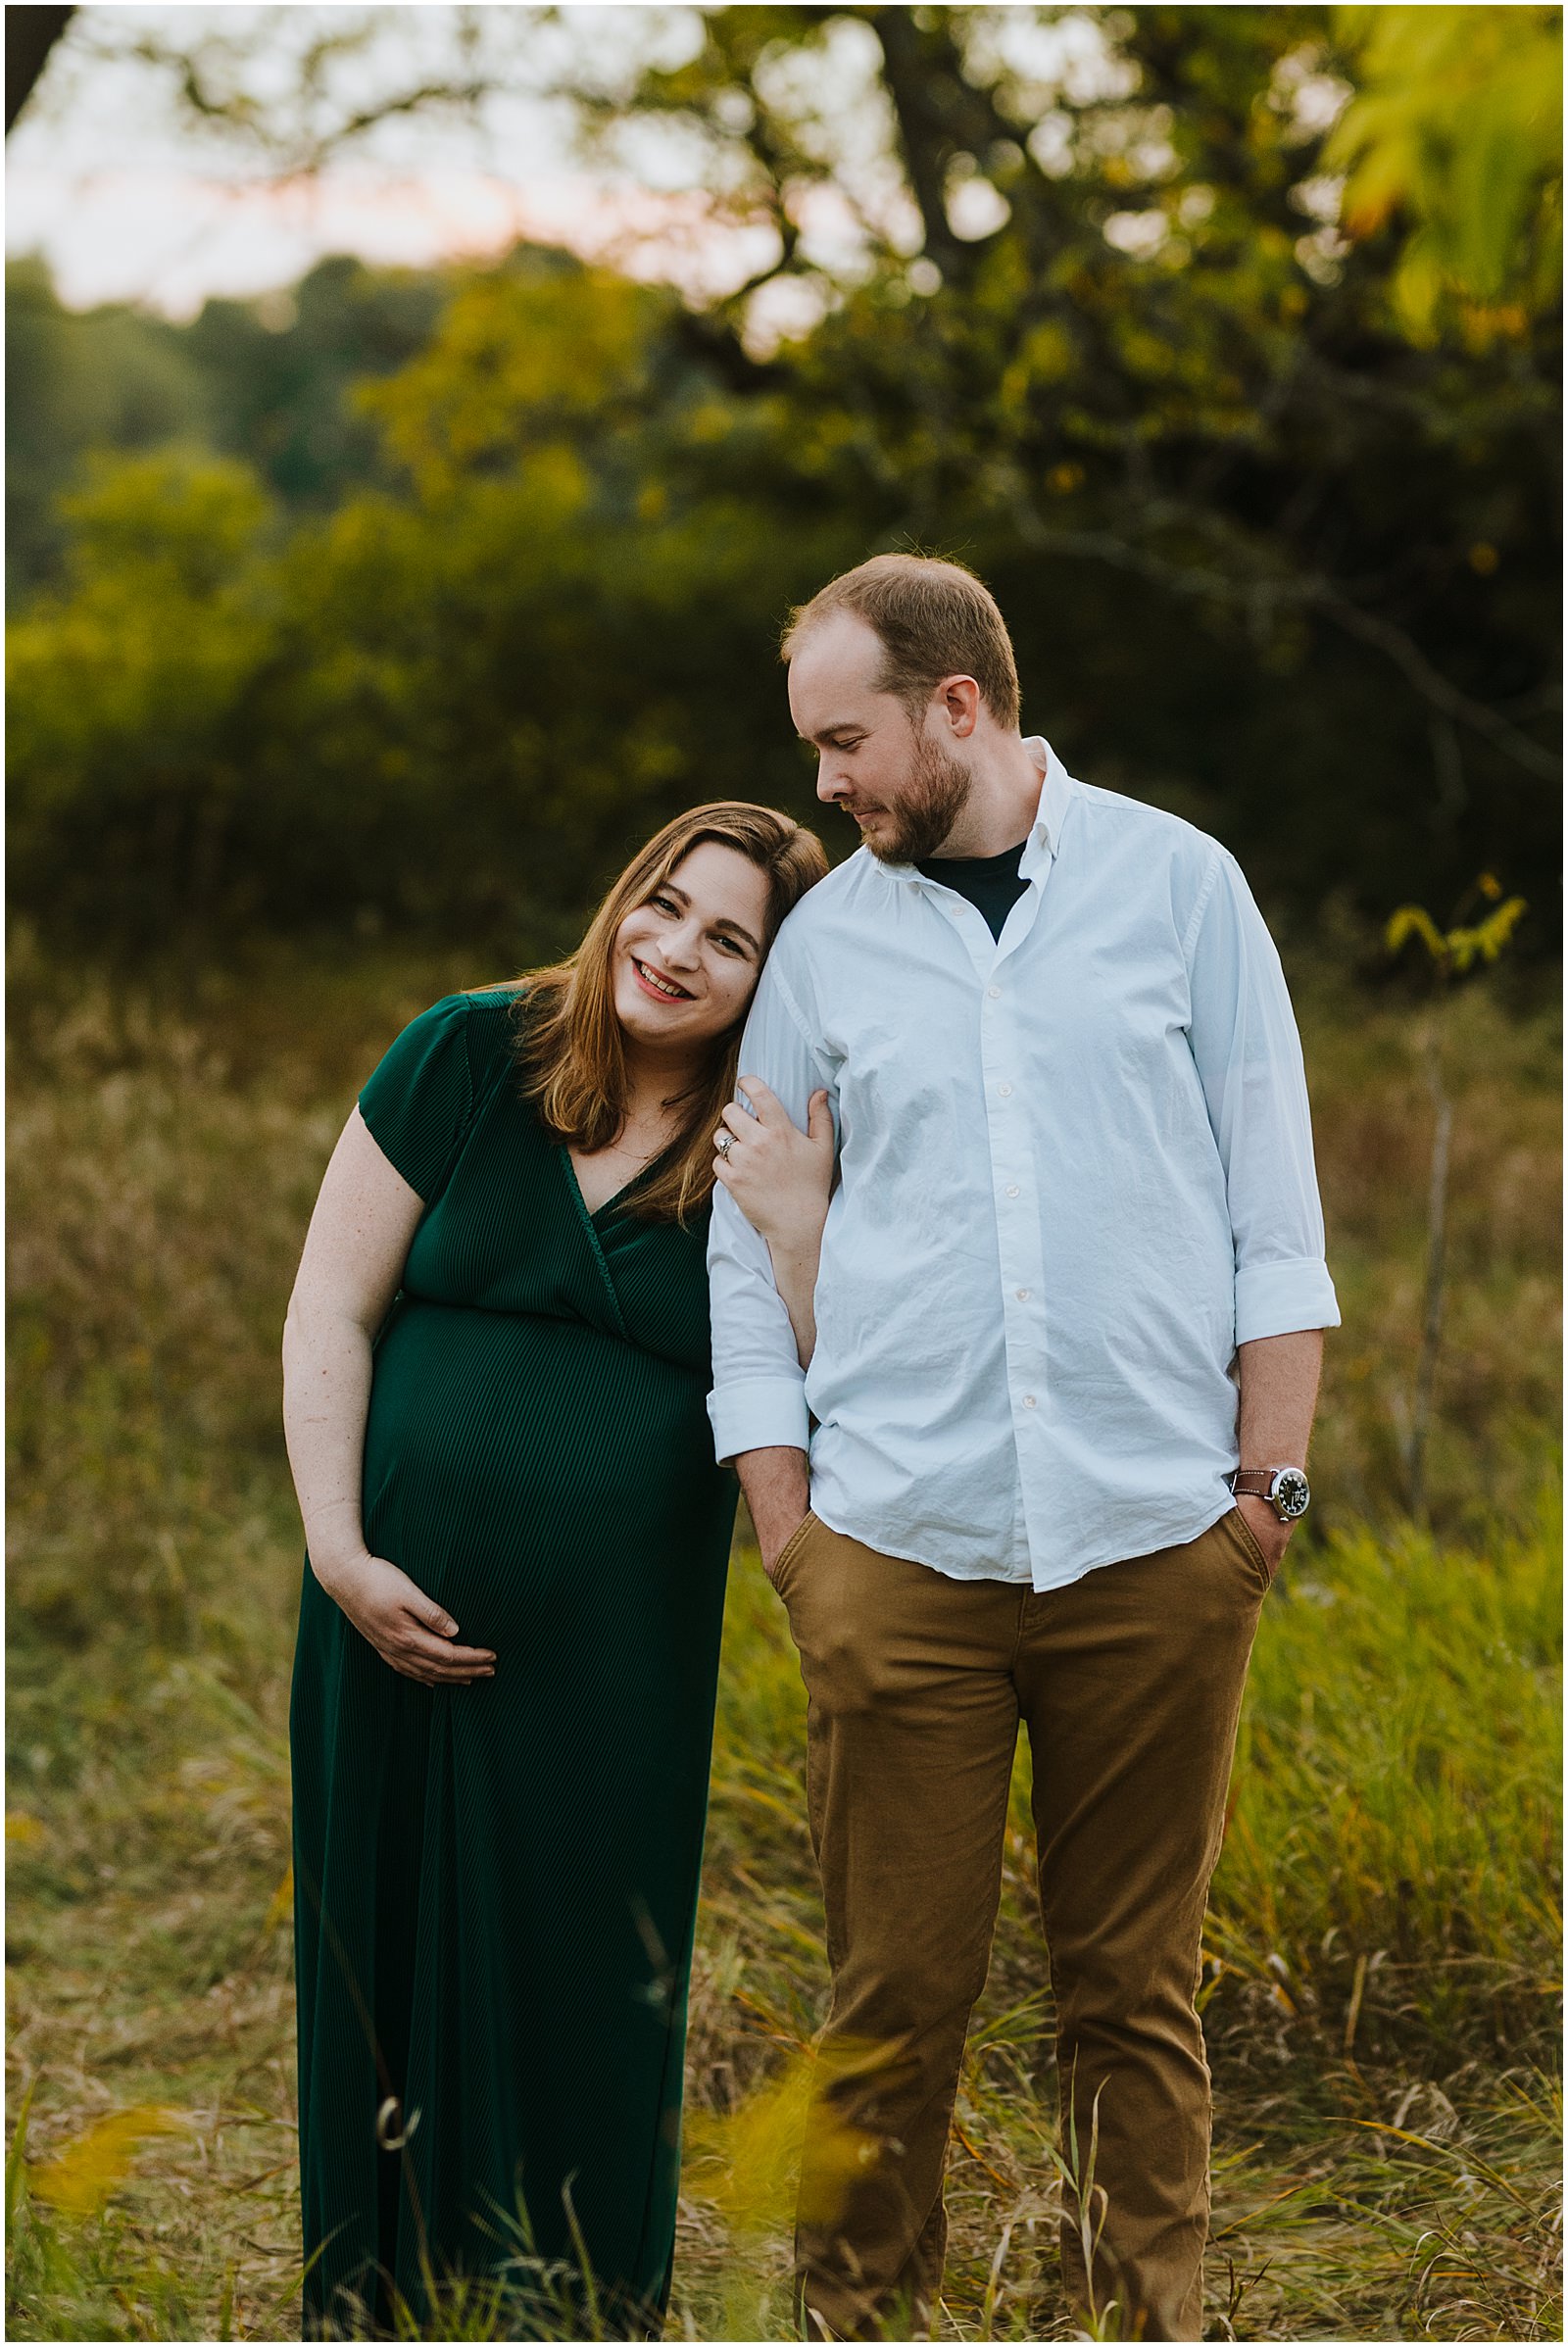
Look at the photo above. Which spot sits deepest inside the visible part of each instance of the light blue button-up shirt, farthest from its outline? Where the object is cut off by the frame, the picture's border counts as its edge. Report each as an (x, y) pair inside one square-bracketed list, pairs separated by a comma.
[(1075, 1172)]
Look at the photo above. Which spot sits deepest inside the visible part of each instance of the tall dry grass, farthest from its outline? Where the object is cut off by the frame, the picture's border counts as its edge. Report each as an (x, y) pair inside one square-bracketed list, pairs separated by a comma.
[(1383, 1941)]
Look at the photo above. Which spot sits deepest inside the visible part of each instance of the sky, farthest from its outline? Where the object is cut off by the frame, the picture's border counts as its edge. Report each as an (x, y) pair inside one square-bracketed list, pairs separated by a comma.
[(128, 204), (128, 201)]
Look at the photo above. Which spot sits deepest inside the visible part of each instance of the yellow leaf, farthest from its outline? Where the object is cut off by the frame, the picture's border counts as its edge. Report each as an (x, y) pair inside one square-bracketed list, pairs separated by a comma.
[(19, 1826), (745, 2164), (82, 2173), (1413, 920)]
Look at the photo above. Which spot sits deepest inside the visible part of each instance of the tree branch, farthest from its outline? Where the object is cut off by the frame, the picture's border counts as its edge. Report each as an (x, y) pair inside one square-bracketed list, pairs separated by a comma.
[(1260, 597), (208, 80), (1407, 656)]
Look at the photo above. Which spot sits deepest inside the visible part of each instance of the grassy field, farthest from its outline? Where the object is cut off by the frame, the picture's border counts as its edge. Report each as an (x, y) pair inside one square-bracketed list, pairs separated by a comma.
[(1384, 1942)]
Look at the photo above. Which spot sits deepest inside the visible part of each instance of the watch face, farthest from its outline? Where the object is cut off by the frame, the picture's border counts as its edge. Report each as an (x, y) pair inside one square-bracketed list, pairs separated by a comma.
[(1291, 1493)]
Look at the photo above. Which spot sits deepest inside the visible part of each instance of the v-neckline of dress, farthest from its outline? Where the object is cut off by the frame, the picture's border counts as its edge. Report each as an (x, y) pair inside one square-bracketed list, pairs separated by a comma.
[(591, 1214)]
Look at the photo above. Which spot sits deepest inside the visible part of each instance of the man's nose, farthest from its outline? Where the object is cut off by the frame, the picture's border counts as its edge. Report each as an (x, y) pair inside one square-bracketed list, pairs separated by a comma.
[(830, 785)]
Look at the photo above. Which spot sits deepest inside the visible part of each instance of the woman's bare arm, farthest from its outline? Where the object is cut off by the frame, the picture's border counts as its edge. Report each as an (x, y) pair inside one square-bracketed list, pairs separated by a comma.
[(358, 1242)]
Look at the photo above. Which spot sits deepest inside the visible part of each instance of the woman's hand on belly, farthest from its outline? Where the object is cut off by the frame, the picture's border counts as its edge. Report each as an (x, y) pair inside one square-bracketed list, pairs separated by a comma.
[(410, 1631)]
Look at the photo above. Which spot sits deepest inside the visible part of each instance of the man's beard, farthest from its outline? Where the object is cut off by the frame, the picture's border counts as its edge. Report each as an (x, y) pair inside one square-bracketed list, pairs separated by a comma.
[(928, 806)]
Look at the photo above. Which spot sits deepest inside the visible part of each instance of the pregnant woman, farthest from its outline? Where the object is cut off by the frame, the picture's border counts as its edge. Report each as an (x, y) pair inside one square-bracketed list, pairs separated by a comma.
[(496, 1364)]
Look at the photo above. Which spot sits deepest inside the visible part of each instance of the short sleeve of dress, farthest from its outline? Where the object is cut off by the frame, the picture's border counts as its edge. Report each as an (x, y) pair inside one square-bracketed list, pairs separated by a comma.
[(419, 1100)]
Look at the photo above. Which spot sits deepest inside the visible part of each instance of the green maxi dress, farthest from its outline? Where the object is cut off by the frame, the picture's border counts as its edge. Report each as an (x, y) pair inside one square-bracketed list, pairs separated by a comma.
[(496, 1885)]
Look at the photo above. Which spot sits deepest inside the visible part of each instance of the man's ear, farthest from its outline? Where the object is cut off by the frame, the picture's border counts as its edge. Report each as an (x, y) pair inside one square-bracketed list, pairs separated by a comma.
[(961, 701)]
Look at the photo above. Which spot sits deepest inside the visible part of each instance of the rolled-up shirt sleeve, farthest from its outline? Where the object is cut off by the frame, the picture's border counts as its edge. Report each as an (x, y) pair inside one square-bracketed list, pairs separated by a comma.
[(759, 1396), (1248, 1058)]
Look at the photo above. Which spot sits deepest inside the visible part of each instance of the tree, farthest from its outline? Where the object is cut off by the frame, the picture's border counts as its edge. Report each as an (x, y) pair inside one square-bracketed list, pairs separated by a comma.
[(1134, 219), (112, 379), (267, 382), (1458, 127), (1071, 296), (133, 698)]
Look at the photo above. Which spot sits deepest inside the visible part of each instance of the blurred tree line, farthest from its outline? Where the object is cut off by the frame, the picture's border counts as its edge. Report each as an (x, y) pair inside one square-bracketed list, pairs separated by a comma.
[(1224, 347)]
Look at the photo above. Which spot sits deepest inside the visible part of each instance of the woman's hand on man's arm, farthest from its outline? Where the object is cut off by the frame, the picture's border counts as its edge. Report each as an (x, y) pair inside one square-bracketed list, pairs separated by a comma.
[(782, 1178), (358, 1242)]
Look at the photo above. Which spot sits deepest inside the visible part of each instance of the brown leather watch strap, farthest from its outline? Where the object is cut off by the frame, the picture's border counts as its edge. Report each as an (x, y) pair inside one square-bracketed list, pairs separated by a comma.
[(1253, 1482)]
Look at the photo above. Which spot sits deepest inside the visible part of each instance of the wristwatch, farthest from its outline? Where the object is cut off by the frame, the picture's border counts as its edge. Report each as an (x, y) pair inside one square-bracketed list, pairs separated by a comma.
[(1286, 1489)]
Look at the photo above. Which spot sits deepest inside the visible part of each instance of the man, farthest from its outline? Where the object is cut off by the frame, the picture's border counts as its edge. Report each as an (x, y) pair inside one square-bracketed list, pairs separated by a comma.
[(1071, 1283)]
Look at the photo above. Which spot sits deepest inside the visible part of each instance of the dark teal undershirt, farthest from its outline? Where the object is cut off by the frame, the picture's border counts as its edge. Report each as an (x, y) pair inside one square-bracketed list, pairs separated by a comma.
[(992, 883)]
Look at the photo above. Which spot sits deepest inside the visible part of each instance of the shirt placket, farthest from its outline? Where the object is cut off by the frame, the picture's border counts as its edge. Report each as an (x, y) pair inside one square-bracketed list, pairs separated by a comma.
[(1010, 1117)]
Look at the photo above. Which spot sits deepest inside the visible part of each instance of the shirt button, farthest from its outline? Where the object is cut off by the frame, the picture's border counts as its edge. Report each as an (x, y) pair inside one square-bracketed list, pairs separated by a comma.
[(994, 992), (1023, 1295), (1028, 1401), (1005, 1091), (1012, 1189)]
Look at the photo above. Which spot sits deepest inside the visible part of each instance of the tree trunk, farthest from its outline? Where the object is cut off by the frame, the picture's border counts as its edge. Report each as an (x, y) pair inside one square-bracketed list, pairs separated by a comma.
[(1437, 1235), (30, 34)]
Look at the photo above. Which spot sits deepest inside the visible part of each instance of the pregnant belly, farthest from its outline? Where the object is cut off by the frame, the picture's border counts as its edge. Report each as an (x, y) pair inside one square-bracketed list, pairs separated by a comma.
[(506, 1454)]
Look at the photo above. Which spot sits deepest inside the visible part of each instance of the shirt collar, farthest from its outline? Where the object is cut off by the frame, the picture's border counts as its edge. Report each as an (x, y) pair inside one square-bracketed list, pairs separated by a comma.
[(1056, 787)]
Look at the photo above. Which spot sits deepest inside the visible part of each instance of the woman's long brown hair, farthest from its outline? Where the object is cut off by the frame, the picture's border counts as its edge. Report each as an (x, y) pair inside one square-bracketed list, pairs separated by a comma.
[(568, 1038)]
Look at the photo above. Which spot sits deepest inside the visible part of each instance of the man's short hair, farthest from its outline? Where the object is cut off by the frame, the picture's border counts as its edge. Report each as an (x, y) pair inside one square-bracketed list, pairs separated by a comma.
[(935, 618)]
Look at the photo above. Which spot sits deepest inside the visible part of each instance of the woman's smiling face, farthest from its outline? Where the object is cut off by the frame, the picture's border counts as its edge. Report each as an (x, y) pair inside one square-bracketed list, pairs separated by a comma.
[(686, 961)]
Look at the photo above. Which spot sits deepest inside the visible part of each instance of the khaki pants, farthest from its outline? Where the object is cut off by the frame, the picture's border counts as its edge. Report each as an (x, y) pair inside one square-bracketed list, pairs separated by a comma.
[(1129, 1682)]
